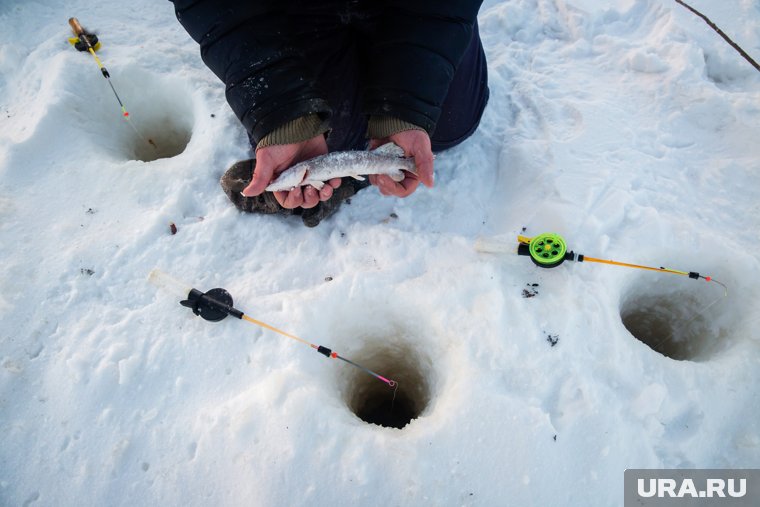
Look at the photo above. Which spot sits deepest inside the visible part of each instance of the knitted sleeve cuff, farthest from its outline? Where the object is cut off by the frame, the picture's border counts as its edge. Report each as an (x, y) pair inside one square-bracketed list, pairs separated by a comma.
[(380, 127), (295, 131)]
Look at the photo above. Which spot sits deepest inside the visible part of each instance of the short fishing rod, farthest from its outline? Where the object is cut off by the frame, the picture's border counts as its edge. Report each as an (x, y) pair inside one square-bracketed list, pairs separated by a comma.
[(216, 304), (549, 250), (85, 41)]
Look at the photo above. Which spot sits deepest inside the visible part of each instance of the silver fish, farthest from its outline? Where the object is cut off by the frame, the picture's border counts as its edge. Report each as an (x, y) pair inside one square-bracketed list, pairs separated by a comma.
[(387, 159)]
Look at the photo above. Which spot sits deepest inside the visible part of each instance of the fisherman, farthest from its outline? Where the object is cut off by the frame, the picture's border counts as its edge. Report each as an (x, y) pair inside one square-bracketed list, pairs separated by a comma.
[(307, 78)]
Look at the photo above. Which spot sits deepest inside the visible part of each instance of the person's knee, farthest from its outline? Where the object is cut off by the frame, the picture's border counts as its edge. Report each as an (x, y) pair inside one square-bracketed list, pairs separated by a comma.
[(466, 99), (466, 128)]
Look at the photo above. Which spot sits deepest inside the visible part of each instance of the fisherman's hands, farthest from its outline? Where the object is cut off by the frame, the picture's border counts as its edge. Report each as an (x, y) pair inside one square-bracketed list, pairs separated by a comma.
[(272, 160), (416, 144)]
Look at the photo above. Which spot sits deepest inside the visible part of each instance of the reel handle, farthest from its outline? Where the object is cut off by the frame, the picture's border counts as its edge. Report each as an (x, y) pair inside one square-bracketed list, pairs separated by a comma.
[(494, 245), (169, 283)]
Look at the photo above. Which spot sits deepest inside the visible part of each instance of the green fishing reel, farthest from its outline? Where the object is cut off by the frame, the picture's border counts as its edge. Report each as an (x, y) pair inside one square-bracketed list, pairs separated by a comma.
[(546, 250), (549, 250)]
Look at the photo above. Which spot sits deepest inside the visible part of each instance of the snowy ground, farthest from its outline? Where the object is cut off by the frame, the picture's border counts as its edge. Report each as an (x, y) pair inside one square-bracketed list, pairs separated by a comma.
[(631, 129)]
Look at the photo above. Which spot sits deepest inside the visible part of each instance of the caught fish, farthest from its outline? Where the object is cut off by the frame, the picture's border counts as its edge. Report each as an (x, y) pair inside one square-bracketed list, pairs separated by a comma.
[(388, 159)]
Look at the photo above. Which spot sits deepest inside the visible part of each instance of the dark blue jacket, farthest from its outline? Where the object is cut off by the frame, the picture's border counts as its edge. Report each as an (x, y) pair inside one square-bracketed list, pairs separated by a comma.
[(261, 51)]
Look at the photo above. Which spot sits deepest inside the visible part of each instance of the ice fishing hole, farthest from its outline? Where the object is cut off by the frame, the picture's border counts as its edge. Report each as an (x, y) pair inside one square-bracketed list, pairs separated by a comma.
[(374, 402), (678, 324), (163, 138), (162, 130), (161, 115)]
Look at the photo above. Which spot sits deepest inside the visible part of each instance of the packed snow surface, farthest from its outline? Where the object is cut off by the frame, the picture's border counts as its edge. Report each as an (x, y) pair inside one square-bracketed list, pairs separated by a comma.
[(629, 127)]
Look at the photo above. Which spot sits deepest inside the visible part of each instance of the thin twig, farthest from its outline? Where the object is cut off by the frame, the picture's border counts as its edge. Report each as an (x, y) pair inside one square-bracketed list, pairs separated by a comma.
[(720, 32)]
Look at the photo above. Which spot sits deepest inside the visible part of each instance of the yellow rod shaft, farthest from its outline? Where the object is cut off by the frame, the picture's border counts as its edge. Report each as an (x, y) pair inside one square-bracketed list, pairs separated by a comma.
[(624, 264), (279, 331), (97, 60)]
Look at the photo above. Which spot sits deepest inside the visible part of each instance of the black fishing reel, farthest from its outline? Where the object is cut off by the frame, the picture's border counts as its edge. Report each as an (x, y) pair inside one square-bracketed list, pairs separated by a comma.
[(86, 41), (213, 305)]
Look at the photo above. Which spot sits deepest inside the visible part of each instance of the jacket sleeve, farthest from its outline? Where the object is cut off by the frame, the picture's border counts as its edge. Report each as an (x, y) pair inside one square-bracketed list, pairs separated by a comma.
[(415, 51), (267, 82)]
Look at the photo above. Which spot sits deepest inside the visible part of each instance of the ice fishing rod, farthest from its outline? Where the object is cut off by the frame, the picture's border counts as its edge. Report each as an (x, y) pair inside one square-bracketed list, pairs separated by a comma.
[(85, 41), (216, 304), (549, 250)]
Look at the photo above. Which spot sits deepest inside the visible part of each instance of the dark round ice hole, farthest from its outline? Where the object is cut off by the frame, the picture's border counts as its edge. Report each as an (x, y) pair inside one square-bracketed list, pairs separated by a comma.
[(374, 402), (382, 409)]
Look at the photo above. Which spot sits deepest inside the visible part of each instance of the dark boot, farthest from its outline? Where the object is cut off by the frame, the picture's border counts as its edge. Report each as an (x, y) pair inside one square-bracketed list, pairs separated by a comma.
[(311, 217), (236, 179), (239, 175)]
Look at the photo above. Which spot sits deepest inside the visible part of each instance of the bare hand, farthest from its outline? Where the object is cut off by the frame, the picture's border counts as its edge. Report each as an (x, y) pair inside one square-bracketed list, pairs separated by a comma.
[(272, 160), (416, 144)]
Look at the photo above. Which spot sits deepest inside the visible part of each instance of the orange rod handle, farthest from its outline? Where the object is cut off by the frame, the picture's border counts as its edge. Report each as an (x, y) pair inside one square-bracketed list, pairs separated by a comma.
[(76, 27)]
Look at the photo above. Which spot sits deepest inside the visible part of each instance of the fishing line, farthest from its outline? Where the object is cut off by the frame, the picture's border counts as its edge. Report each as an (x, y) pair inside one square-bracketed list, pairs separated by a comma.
[(89, 42), (216, 304)]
